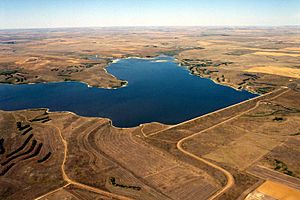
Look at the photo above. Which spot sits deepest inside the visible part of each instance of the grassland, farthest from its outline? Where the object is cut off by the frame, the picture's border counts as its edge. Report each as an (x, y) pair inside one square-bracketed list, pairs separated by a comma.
[(243, 151), (272, 190)]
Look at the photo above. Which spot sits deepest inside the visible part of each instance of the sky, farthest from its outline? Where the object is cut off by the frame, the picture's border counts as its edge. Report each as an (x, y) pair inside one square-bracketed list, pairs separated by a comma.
[(99, 13)]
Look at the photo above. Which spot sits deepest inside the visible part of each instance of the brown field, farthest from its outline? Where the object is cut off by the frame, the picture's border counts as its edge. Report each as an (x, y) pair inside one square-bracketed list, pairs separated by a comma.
[(277, 54), (272, 190), (281, 71), (249, 150), (268, 173)]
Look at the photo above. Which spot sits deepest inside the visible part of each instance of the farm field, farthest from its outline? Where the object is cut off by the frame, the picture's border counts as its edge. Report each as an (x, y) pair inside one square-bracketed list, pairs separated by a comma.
[(271, 190)]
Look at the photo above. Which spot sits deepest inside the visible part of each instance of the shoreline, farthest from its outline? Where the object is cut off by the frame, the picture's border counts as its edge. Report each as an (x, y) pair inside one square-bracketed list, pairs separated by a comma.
[(223, 84), (175, 60), (169, 125), (216, 82)]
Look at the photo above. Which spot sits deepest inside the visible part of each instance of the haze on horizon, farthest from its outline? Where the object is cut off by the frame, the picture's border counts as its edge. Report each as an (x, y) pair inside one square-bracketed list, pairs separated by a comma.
[(97, 13)]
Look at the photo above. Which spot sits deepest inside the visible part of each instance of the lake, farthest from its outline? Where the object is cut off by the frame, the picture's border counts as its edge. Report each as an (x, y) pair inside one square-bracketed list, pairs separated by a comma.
[(158, 90)]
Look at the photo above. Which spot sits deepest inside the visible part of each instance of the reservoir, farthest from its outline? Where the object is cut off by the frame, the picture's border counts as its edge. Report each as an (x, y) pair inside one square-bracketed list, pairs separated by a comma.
[(158, 90)]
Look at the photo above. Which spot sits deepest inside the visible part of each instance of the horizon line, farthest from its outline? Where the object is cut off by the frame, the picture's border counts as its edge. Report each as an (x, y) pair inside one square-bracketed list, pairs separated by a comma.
[(148, 26)]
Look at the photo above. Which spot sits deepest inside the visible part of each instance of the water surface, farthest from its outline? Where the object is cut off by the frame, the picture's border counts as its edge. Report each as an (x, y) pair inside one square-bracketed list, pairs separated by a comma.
[(158, 90)]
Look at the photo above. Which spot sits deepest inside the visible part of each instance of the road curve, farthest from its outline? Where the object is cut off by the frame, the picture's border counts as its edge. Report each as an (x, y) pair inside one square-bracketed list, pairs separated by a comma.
[(230, 179), (179, 145), (70, 181)]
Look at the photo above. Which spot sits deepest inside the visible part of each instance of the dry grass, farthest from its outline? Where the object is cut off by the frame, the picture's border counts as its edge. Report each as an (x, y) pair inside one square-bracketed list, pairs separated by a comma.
[(281, 71), (292, 48), (28, 177), (276, 54), (274, 190)]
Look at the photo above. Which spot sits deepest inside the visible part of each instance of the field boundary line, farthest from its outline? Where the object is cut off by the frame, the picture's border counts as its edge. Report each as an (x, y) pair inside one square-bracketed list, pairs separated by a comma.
[(155, 173), (53, 191), (280, 178)]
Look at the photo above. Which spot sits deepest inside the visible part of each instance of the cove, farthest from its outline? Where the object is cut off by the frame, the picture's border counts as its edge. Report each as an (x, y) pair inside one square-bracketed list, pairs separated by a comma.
[(158, 90)]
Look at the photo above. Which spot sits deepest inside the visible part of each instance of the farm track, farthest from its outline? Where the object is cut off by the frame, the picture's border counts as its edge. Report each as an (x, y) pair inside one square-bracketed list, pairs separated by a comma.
[(106, 148), (269, 174), (230, 179), (90, 146), (70, 181)]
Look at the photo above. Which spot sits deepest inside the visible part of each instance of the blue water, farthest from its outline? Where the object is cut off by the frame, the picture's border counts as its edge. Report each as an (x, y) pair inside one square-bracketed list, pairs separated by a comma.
[(157, 91)]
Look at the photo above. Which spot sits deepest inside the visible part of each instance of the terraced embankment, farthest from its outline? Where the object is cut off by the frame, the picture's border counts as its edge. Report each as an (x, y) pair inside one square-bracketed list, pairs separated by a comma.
[(30, 159)]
